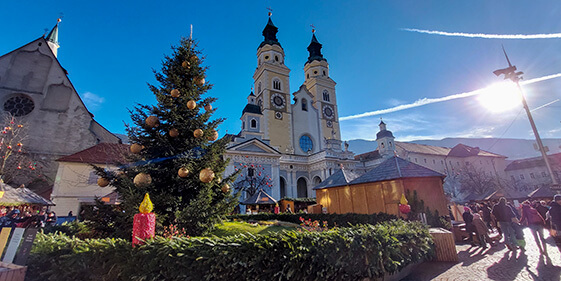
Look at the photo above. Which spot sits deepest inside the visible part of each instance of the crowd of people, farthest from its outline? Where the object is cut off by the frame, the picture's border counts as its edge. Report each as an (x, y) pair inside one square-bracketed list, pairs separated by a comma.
[(26, 217), (509, 221)]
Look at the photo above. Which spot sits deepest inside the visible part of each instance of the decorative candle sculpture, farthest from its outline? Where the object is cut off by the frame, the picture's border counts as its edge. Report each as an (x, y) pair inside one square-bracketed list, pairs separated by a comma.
[(144, 225), (404, 208)]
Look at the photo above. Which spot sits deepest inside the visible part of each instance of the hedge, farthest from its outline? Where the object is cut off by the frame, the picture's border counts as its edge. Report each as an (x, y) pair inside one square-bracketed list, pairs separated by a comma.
[(352, 253), (342, 220)]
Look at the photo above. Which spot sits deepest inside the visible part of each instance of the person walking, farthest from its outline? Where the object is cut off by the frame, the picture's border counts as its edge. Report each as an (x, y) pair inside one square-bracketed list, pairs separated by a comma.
[(480, 229), (555, 214), (532, 218), (504, 215), (468, 219), (486, 215)]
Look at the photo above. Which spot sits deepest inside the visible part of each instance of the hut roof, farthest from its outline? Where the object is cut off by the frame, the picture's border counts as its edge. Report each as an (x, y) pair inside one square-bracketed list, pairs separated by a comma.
[(395, 168), (542, 192), (340, 178), (260, 198), (20, 196)]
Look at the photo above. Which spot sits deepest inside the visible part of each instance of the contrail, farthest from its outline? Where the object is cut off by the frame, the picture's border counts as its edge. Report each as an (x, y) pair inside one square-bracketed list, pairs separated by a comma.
[(486, 36), (425, 101), (540, 107)]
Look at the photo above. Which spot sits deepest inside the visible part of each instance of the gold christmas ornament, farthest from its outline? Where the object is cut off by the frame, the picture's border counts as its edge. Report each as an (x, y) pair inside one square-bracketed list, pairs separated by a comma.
[(208, 107), (206, 175), (175, 93), (186, 64), (183, 172), (173, 132), (136, 148), (213, 136), (201, 81), (102, 182), (225, 188), (142, 179), (152, 121), (194, 58), (198, 133), (191, 104)]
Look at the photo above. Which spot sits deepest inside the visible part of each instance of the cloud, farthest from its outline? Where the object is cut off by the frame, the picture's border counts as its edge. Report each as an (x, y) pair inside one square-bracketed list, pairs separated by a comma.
[(425, 101), (92, 100), (486, 36)]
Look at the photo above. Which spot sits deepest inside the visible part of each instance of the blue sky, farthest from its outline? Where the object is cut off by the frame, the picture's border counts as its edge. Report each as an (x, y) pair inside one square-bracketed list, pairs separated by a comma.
[(110, 48)]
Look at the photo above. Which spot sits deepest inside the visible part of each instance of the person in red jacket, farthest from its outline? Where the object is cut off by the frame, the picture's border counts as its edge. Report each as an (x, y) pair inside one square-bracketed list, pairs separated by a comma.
[(532, 218)]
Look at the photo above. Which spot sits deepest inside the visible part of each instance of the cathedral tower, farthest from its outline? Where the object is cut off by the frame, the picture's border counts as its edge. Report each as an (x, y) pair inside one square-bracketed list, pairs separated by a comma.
[(52, 38), (386, 141), (322, 89), (271, 80)]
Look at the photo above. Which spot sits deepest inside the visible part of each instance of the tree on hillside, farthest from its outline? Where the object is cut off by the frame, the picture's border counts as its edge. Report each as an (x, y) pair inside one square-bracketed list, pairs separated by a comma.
[(176, 156)]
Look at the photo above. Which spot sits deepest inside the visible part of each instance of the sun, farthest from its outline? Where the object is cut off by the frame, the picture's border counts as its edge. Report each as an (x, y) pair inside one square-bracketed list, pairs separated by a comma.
[(500, 97)]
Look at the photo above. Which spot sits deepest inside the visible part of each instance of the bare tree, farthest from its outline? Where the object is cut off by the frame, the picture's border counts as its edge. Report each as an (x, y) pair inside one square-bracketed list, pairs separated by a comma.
[(477, 181), (16, 165), (251, 179)]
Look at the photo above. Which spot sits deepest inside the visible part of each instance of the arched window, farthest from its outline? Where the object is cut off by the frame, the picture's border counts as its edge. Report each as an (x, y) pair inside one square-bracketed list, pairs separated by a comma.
[(304, 105), (306, 144), (325, 95), (282, 188), (382, 144), (302, 188), (276, 84), (317, 180), (253, 123)]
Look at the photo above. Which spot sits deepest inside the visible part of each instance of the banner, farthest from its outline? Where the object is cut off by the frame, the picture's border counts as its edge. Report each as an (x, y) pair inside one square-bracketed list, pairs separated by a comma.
[(13, 245), (23, 253), (4, 235)]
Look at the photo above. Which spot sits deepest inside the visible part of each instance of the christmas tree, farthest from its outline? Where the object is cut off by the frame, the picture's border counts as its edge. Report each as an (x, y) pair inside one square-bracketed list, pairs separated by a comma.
[(176, 155)]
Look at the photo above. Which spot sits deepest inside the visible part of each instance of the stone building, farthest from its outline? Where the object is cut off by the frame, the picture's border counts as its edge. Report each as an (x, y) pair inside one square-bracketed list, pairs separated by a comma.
[(35, 88), (531, 173)]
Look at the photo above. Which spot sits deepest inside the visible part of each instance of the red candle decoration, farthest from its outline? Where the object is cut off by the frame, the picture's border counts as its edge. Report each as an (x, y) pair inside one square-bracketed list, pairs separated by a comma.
[(144, 225), (404, 207)]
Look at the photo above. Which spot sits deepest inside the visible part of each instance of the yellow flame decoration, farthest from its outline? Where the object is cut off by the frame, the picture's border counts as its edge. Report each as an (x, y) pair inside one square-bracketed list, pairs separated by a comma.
[(403, 200), (146, 205)]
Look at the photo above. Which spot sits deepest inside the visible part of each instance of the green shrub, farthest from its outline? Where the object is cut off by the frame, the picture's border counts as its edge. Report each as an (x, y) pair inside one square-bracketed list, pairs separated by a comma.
[(352, 253), (342, 220)]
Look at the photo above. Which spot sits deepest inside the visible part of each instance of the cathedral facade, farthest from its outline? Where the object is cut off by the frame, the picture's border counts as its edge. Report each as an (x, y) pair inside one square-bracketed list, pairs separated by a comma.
[(289, 141)]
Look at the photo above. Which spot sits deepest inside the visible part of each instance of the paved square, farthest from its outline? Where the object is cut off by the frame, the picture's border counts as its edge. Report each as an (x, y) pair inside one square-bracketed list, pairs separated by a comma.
[(496, 263)]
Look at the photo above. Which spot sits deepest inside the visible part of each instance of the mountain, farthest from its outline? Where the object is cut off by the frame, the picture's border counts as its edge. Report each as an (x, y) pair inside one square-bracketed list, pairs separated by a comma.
[(512, 148)]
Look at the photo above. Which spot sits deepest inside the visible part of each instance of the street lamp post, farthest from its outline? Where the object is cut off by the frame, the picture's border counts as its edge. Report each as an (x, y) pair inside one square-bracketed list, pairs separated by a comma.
[(510, 73)]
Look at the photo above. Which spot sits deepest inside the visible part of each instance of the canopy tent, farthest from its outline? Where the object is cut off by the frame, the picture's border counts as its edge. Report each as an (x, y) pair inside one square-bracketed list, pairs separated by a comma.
[(260, 198), (21, 196)]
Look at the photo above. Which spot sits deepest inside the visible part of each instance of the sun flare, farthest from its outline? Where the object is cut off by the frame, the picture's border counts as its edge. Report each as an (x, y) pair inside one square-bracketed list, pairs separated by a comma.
[(500, 97)]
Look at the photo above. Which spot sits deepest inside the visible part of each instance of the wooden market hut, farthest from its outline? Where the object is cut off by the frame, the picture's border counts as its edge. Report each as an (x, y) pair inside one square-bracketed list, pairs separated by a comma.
[(380, 189), (260, 201), (542, 193), (21, 197)]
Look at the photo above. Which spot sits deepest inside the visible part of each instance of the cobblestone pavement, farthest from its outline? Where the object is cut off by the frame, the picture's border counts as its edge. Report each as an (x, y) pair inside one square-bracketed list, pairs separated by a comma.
[(495, 263)]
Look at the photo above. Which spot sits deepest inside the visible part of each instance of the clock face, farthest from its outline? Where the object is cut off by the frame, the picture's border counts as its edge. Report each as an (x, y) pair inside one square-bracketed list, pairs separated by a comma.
[(328, 111), (278, 101)]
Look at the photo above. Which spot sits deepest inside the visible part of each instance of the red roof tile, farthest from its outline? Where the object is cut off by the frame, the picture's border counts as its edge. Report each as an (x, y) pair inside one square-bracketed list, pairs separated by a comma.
[(103, 153)]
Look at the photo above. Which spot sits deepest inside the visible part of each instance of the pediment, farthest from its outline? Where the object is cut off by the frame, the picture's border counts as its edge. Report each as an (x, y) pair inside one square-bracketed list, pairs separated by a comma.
[(254, 146)]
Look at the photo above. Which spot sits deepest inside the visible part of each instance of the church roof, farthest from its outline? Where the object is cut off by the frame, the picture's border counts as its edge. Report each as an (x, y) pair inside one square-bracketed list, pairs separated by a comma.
[(270, 34), (252, 108), (383, 134), (395, 168), (53, 35), (315, 50), (340, 178), (260, 198), (103, 153)]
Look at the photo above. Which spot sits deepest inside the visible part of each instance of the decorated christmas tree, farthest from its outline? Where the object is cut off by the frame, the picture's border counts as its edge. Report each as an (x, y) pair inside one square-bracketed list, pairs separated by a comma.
[(176, 155)]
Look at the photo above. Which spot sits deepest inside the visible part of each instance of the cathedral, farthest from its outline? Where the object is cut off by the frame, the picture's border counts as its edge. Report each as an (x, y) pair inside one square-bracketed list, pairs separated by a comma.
[(289, 141)]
